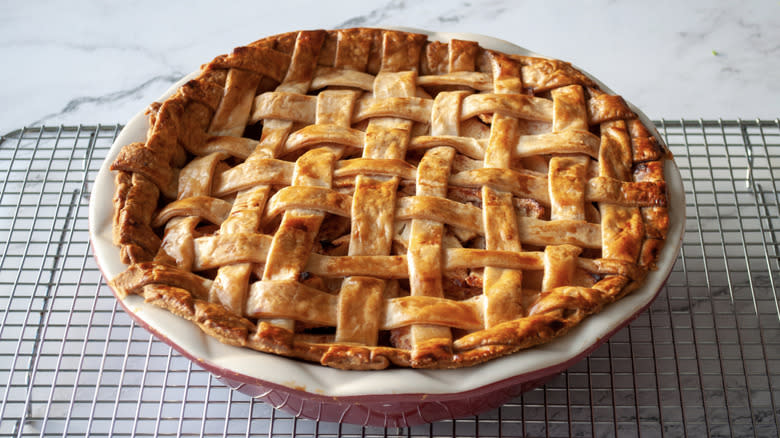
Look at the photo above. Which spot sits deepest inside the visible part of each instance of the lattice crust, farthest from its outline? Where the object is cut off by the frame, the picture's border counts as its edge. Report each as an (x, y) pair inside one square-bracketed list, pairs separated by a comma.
[(366, 198)]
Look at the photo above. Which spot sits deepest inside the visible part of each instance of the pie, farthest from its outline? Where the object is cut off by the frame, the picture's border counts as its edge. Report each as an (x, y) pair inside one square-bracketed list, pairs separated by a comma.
[(368, 198)]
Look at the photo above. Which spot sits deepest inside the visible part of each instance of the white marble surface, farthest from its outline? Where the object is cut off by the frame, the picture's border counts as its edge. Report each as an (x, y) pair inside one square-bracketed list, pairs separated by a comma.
[(91, 61)]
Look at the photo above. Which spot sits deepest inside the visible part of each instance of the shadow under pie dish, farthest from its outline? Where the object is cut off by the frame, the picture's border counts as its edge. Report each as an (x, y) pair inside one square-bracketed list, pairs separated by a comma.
[(372, 199)]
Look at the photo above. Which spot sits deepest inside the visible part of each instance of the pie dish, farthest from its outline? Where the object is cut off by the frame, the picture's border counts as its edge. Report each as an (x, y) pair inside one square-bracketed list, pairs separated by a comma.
[(367, 198), (394, 396)]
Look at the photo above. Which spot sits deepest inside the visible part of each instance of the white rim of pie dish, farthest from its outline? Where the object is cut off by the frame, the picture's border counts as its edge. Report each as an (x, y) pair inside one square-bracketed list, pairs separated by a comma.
[(324, 381)]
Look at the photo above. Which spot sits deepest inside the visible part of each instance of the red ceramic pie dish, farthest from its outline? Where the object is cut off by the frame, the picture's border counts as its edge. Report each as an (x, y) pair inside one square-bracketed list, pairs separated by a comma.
[(392, 397), (384, 410)]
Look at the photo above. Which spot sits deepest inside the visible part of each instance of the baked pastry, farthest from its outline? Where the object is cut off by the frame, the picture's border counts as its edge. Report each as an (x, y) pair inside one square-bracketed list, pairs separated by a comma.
[(366, 198)]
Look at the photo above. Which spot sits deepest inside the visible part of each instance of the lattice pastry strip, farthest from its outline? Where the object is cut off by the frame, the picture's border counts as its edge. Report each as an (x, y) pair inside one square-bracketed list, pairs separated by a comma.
[(232, 282), (622, 227), (372, 212), (425, 242), (502, 287), (425, 248), (567, 178), (181, 217), (231, 116), (292, 243), (363, 198), (373, 202)]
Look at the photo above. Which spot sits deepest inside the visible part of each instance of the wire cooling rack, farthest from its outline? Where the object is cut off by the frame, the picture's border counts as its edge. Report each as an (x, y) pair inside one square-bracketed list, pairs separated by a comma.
[(704, 360)]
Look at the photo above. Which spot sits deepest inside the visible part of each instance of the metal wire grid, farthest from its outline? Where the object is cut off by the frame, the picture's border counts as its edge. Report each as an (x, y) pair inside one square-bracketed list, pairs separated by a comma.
[(704, 360)]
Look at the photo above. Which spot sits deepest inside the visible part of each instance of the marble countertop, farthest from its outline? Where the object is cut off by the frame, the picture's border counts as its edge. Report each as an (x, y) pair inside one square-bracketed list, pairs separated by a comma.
[(91, 61)]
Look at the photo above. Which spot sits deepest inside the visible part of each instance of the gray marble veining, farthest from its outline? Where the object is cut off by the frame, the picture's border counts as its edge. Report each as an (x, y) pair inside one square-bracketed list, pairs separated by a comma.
[(89, 61)]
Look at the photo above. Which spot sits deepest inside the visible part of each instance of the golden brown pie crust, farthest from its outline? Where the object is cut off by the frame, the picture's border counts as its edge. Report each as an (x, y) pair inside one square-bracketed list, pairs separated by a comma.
[(366, 198)]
